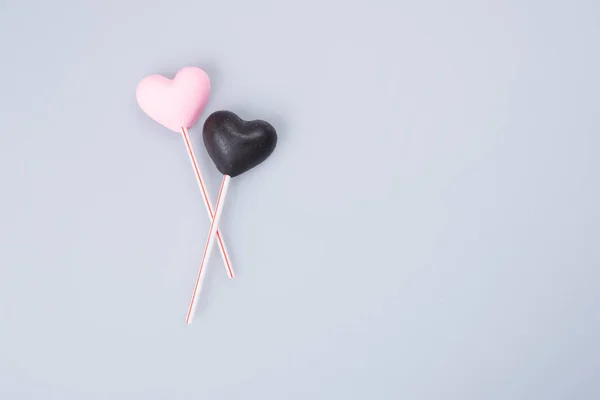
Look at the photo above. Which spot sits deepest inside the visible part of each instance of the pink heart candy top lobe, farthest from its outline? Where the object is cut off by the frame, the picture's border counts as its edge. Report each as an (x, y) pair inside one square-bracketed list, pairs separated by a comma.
[(175, 103)]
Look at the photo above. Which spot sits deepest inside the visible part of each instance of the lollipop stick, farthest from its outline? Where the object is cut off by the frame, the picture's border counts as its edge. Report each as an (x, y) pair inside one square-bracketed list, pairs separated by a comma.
[(212, 233), (190, 150)]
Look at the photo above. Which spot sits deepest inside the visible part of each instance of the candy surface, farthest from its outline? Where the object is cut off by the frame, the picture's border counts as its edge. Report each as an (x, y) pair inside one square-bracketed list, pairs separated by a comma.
[(235, 145), (174, 103)]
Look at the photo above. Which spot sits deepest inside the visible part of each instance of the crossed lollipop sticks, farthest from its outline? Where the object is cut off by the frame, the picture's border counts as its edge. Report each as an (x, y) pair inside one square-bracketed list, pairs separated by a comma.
[(234, 145)]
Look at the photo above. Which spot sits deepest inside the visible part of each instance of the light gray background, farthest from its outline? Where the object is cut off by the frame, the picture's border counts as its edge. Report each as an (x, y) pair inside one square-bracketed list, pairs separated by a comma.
[(427, 228)]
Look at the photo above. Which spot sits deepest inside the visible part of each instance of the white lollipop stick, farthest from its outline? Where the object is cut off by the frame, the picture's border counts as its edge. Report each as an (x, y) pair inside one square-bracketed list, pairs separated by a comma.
[(188, 145), (212, 233)]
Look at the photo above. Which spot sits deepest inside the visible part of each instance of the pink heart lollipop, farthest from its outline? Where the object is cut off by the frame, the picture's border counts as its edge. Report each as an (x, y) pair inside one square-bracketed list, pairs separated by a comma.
[(175, 103)]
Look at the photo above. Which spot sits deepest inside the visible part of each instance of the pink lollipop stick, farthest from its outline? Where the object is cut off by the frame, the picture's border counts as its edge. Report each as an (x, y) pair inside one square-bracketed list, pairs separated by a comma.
[(208, 248), (207, 203)]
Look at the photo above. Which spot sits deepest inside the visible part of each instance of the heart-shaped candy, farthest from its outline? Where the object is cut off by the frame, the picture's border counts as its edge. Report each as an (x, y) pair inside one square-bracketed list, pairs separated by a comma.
[(175, 103), (235, 145)]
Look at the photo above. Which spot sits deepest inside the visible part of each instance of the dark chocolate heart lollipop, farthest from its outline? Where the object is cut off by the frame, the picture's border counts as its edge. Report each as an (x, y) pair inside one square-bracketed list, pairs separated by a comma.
[(235, 145)]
